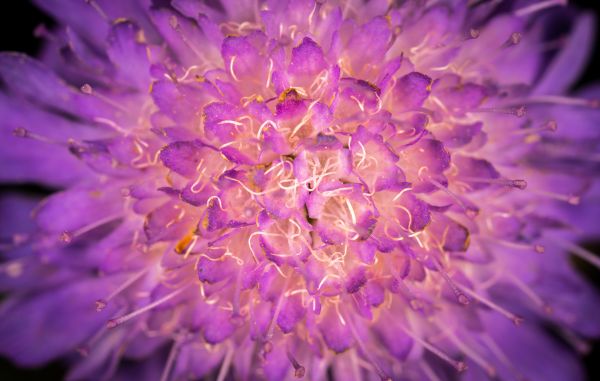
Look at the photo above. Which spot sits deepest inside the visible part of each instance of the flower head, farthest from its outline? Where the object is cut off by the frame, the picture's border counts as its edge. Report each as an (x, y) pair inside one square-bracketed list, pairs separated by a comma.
[(300, 189)]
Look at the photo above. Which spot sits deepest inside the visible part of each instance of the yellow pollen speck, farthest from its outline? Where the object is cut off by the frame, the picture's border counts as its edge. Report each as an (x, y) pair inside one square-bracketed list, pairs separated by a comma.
[(183, 244), (291, 92), (120, 20), (204, 222)]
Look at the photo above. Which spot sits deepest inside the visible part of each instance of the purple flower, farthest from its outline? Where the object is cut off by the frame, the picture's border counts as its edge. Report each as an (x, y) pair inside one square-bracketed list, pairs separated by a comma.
[(347, 190)]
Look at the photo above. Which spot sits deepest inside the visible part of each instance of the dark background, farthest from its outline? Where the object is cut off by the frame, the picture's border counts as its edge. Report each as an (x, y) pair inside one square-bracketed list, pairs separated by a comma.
[(18, 19)]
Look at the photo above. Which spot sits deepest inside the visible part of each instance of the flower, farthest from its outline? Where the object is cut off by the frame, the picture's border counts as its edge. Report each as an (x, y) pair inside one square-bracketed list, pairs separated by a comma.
[(273, 190)]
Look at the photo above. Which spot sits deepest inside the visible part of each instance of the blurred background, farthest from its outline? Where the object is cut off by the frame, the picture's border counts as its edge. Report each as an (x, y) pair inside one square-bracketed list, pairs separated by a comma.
[(18, 19)]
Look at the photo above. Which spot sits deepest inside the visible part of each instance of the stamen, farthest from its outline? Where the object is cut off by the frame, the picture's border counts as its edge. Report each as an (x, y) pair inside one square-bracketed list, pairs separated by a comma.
[(112, 323), (226, 365), (367, 353), (571, 199), (170, 361), (517, 320), (470, 212), (579, 252), (429, 371), (550, 125), (86, 88), (299, 370), (101, 303), (499, 354), (581, 346), (519, 111), (460, 366), (562, 100), (473, 354), (462, 298), (278, 307), (519, 183), (518, 245), (67, 237), (535, 298), (98, 9), (533, 8), (22, 132)]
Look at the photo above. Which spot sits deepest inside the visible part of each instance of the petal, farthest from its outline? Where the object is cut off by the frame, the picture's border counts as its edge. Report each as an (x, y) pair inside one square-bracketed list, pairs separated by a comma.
[(218, 327), (307, 59), (571, 59), (182, 157), (128, 53), (411, 91), (292, 311), (336, 335), (61, 319), (470, 170), (369, 44), (459, 135), (31, 79), (423, 161), (196, 361), (181, 102), (85, 206), (533, 353), (461, 98)]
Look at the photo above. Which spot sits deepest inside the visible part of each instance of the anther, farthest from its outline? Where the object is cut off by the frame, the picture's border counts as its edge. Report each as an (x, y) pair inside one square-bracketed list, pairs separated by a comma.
[(519, 184), (101, 305), (86, 88), (41, 31), (551, 125), (65, 237), (20, 132), (267, 347), (474, 33), (513, 40)]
